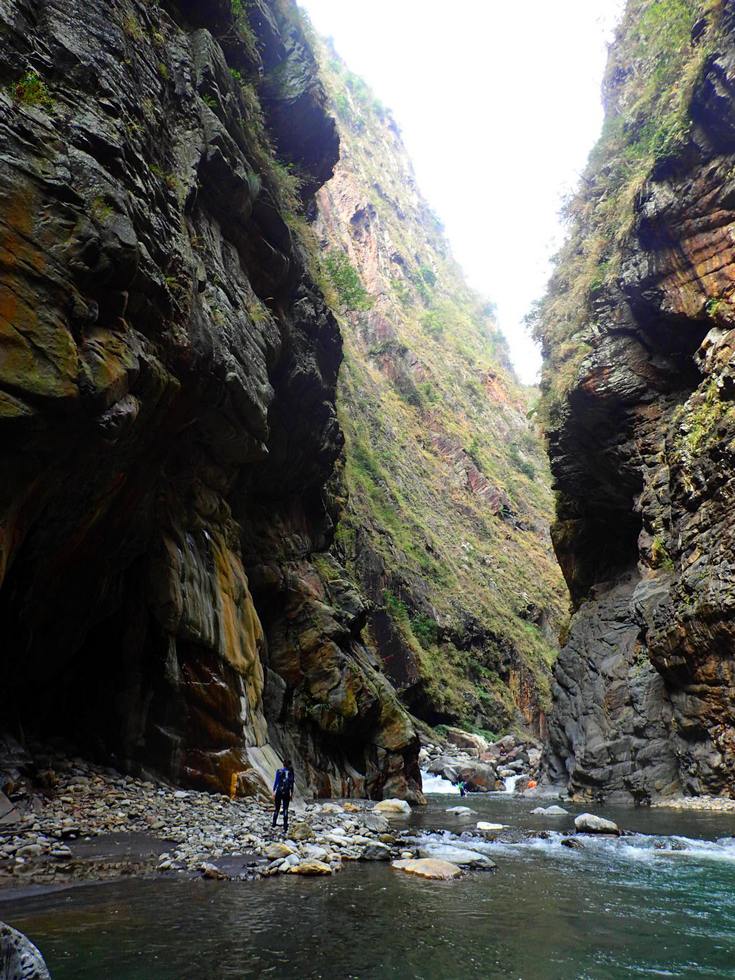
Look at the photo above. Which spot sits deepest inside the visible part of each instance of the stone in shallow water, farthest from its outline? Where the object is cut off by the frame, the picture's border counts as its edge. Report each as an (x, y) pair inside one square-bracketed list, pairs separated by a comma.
[(19, 958), (301, 831), (460, 811), (428, 868), (457, 855), (393, 806), (573, 843), (311, 868), (489, 828), (376, 852), (588, 823), (212, 871), (550, 811)]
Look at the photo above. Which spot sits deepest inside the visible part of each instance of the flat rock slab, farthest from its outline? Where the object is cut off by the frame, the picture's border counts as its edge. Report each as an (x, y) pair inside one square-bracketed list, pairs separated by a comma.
[(460, 811), (550, 811), (430, 868), (119, 847), (489, 828), (457, 855)]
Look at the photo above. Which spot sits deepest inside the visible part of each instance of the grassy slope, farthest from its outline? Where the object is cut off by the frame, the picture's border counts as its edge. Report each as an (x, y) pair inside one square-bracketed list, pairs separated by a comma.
[(427, 394)]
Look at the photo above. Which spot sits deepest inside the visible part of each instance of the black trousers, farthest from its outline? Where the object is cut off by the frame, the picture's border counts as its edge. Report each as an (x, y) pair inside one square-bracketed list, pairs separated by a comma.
[(283, 798)]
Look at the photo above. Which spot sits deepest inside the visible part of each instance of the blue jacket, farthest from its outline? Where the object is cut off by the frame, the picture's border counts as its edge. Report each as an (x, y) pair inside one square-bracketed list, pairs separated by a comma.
[(284, 781)]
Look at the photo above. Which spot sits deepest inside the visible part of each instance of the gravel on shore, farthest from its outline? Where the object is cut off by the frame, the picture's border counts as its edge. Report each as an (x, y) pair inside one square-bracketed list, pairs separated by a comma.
[(92, 822)]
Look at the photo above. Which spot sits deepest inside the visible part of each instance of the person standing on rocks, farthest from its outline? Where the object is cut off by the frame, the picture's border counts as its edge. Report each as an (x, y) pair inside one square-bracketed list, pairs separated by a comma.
[(282, 792)]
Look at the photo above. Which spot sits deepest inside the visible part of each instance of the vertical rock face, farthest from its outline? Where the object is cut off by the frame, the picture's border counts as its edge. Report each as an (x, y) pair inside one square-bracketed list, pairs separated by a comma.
[(642, 438), (167, 419)]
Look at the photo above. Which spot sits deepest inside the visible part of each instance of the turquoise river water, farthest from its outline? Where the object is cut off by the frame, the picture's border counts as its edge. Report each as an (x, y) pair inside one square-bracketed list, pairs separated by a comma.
[(660, 903)]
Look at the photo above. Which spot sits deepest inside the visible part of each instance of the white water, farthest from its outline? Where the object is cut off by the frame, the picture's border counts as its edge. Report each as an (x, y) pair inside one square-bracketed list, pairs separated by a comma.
[(637, 848), (510, 783), (437, 784)]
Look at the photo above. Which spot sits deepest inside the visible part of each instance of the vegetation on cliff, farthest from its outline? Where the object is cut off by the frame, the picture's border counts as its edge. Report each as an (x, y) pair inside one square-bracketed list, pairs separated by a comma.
[(659, 53), (445, 478)]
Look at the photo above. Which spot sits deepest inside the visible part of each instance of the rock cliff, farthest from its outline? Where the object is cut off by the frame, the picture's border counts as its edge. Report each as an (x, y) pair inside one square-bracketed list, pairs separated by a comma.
[(639, 393), (445, 480), (167, 402)]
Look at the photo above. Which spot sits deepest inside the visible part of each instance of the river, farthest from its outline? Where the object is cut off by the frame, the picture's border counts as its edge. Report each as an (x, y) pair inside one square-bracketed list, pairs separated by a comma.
[(619, 908)]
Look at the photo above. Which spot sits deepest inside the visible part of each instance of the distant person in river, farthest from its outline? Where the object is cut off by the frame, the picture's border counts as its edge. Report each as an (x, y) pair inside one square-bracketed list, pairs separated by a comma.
[(282, 792), (462, 787)]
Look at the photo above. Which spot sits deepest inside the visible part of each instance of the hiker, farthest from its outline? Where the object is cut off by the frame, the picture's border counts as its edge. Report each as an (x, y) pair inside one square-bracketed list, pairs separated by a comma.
[(282, 792), (462, 787)]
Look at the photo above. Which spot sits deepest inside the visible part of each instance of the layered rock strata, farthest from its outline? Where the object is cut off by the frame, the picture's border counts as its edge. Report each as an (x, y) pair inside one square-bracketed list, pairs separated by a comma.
[(642, 447), (167, 382)]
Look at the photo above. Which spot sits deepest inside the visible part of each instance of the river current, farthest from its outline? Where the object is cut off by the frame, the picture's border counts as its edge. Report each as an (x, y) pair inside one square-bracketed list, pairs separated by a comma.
[(660, 903)]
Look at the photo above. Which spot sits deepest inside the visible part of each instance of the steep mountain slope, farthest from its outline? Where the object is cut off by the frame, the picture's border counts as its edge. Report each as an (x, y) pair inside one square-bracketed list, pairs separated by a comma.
[(638, 336), (445, 526), (167, 386)]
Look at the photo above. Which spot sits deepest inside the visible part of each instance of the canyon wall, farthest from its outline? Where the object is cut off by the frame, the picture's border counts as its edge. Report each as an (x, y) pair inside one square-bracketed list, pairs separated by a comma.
[(639, 336), (167, 403)]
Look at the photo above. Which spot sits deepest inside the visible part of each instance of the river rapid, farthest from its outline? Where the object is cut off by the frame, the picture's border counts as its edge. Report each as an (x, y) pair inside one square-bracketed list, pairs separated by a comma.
[(658, 903)]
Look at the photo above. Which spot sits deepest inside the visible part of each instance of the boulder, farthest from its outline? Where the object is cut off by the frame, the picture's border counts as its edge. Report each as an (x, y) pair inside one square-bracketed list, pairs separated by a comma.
[(19, 958), (311, 868), (393, 807), (212, 872), (476, 744), (489, 828), (478, 775), (550, 811), (573, 843), (301, 831), (431, 868), (275, 851), (457, 855), (375, 852), (588, 823), (376, 823)]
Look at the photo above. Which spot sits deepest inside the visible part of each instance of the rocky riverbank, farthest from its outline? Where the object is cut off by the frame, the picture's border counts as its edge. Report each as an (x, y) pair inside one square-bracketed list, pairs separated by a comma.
[(80, 821), (715, 803)]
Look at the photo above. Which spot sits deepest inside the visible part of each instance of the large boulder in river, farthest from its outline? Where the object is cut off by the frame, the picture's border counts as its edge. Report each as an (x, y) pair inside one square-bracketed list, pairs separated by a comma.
[(468, 741), (393, 807), (457, 855), (588, 823), (428, 868), (19, 958), (478, 775)]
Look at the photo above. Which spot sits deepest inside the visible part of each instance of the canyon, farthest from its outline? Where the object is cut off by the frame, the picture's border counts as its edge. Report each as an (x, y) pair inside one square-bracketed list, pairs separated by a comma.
[(216, 550), (271, 487)]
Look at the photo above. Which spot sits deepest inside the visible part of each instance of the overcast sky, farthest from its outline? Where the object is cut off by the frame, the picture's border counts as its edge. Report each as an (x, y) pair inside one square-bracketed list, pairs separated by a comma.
[(499, 105)]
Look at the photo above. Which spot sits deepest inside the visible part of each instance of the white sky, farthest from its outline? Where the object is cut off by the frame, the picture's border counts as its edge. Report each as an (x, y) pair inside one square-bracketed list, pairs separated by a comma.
[(499, 105)]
